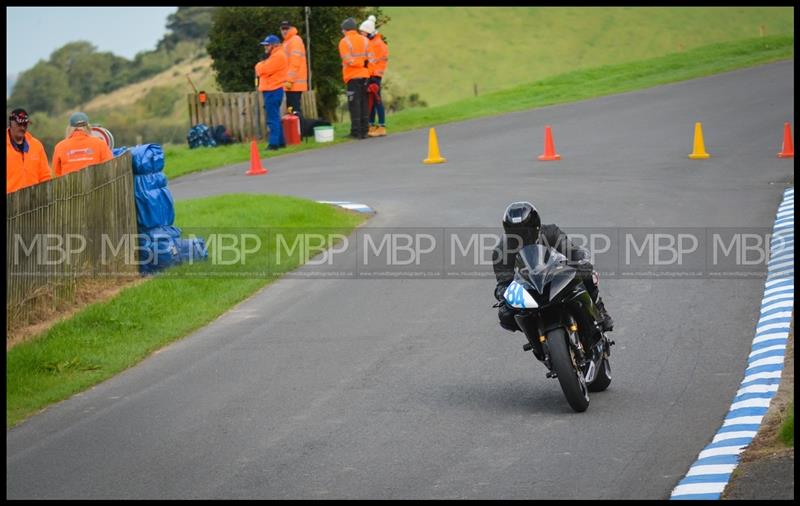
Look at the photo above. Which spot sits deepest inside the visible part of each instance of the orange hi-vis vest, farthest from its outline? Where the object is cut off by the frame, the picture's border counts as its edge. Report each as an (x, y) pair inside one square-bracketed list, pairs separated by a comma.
[(25, 168), (272, 72), (355, 56), (379, 56), (298, 67), (78, 151)]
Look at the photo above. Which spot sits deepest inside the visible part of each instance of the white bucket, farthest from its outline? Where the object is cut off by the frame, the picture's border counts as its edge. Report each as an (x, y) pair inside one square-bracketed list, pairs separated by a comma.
[(323, 134)]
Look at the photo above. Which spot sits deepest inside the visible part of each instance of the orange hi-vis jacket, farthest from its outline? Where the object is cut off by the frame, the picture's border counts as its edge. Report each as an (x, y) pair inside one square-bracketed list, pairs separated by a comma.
[(25, 168), (78, 151), (298, 68), (355, 56), (379, 56), (273, 71)]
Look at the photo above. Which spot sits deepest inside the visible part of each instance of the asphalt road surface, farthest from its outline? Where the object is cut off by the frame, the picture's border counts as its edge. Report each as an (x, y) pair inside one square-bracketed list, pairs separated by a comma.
[(408, 388)]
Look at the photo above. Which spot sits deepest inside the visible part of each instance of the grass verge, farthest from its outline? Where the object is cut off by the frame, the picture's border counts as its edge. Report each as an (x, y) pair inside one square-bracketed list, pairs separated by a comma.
[(108, 337), (569, 87), (786, 432)]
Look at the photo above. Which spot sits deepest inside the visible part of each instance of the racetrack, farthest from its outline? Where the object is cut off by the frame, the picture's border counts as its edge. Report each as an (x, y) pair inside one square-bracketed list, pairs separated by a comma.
[(408, 388)]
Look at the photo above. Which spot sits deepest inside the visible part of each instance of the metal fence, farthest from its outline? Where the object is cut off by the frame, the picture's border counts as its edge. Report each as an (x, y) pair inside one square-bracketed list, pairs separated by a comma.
[(241, 113), (66, 228)]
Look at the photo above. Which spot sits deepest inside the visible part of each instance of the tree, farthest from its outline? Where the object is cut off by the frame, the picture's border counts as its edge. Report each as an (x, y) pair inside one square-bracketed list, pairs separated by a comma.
[(187, 23), (236, 32), (43, 88)]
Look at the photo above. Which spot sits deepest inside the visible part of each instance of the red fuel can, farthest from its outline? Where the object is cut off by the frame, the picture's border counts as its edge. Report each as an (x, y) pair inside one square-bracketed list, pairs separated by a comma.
[(291, 129)]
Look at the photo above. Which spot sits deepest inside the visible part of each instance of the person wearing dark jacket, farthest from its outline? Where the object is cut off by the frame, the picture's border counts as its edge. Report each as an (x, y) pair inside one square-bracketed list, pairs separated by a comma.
[(523, 227)]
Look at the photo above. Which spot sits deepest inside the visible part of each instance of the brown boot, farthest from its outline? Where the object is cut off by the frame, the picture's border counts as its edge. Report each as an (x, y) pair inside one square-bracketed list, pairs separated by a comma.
[(373, 129), (380, 131)]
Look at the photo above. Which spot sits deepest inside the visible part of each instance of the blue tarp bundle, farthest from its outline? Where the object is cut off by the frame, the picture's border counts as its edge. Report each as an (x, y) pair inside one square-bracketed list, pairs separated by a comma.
[(147, 158), (154, 208), (159, 242)]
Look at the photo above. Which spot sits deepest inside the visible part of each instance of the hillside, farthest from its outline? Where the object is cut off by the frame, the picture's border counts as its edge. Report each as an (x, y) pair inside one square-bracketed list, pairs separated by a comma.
[(442, 52), (199, 71)]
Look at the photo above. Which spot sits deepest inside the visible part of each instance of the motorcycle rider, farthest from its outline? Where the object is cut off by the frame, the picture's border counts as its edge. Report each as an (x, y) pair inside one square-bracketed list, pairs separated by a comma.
[(523, 227)]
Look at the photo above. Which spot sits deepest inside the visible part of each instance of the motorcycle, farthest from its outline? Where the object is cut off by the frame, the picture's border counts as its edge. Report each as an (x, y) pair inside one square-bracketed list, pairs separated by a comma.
[(560, 321)]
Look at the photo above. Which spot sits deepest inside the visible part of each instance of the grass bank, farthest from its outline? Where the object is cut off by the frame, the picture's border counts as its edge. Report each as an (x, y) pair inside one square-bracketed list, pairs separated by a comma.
[(568, 87), (786, 432), (108, 337), (444, 53)]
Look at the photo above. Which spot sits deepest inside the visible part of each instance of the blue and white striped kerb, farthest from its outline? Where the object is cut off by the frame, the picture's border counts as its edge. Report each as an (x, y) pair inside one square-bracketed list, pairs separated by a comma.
[(711, 471), (361, 208)]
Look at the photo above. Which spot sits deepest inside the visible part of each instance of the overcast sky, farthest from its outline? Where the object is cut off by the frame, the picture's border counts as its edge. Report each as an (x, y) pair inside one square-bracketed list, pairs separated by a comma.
[(32, 33)]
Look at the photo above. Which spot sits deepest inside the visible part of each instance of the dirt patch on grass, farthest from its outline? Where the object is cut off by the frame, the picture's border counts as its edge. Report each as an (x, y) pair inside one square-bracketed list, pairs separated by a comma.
[(48, 313)]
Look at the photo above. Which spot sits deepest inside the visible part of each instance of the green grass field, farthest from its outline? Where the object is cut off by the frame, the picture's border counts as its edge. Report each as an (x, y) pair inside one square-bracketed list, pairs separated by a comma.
[(442, 52), (577, 85), (108, 337)]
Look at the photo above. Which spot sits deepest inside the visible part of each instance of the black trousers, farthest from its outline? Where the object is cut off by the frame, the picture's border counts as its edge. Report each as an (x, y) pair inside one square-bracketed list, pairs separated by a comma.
[(359, 107), (293, 101)]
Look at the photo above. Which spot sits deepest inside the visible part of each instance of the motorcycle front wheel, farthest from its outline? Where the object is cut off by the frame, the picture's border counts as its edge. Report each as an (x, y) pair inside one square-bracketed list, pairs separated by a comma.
[(569, 375), (603, 378)]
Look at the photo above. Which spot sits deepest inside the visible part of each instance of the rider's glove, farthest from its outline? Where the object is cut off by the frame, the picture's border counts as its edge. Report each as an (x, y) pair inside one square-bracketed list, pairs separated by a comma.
[(584, 268)]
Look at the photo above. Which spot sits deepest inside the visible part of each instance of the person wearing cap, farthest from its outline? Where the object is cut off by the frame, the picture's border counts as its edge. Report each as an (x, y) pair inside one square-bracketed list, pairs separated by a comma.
[(297, 75), (272, 75), (378, 61), (80, 148), (26, 159), (355, 58)]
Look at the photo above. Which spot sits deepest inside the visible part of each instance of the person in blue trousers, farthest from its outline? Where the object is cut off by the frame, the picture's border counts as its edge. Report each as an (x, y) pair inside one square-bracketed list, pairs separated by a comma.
[(271, 74)]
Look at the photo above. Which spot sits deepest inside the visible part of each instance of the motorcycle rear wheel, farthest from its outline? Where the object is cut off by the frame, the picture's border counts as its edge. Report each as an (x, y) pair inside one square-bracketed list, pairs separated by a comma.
[(569, 376)]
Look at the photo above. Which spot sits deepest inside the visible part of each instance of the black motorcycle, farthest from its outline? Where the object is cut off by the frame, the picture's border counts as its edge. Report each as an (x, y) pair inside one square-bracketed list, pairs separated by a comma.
[(560, 321)]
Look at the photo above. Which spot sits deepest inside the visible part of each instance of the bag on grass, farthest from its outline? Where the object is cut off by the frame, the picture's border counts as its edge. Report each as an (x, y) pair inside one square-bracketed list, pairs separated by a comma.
[(200, 135), (221, 135)]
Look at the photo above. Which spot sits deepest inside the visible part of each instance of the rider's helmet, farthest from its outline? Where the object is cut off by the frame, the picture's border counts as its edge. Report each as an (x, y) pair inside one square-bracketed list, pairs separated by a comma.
[(521, 219)]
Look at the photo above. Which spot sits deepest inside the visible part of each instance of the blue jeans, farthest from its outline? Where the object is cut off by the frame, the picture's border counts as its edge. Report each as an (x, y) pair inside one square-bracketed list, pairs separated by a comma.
[(377, 107), (272, 107)]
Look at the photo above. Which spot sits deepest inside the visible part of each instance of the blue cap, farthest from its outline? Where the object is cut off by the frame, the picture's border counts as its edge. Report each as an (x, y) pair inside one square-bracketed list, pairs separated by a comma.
[(271, 39)]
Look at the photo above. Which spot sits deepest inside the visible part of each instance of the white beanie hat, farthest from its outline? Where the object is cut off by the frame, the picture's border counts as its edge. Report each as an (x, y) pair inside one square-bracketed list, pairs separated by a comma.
[(368, 25)]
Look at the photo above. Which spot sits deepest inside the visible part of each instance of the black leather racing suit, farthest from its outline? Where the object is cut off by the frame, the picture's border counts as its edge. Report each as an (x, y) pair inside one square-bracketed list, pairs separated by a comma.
[(504, 256)]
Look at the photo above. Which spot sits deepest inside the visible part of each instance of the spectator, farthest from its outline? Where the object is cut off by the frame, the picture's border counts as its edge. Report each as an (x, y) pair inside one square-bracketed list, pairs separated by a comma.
[(26, 160), (297, 76), (272, 75), (378, 61), (80, 148), (355, 57)]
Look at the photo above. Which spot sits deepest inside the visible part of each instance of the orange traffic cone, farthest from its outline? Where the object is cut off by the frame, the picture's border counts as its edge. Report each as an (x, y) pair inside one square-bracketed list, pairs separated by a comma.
[(255, 162), (433, 149), (549, 147), (788, 148), (699, 151)]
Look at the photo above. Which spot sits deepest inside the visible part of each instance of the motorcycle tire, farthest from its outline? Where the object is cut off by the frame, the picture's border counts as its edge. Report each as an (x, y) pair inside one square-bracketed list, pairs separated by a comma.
[(571, 379), (603, 378)]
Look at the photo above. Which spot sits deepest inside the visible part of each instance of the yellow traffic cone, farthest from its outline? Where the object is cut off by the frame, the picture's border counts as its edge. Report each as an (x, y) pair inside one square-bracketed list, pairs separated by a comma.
[(699, 152), (433, 149)]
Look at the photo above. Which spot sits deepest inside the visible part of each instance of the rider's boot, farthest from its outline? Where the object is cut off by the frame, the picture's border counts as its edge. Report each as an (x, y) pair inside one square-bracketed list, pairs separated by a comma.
[(606, 323)]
